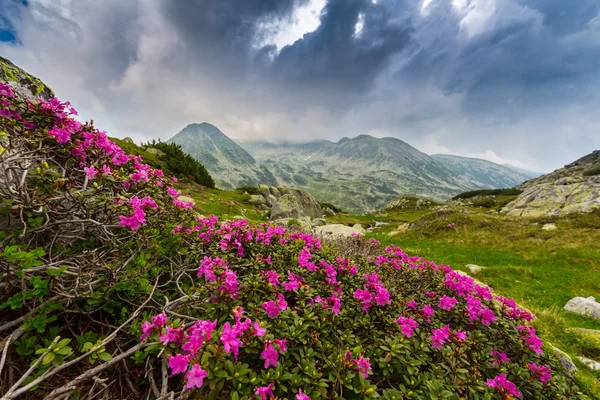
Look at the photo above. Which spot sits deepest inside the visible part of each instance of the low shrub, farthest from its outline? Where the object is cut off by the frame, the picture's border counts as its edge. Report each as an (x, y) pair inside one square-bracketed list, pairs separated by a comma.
[(488, 192), (248, 189), (333, 208), (112, 284), (595, 170)]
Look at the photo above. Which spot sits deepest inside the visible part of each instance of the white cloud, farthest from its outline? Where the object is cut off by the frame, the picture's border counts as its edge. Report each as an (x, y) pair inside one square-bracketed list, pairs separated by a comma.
[(304, 20)]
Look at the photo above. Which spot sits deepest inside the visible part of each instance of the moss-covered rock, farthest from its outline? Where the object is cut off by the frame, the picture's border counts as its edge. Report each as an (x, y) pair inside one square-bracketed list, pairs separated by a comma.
[(24, 84)]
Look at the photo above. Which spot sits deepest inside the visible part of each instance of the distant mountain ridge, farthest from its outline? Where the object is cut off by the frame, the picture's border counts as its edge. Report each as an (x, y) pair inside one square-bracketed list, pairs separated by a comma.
[(357, 174)]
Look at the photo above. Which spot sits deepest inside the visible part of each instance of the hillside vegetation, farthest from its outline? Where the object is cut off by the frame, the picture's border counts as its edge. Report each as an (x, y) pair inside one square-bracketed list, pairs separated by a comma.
[(115, 286)]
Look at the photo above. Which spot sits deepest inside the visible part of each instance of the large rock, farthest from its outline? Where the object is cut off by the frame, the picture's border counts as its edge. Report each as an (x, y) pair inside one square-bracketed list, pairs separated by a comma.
[(23, 84), (565, 360), (296, 204), (588, 307), (563, 196), (256, 199), (337, 230), (591, 364)]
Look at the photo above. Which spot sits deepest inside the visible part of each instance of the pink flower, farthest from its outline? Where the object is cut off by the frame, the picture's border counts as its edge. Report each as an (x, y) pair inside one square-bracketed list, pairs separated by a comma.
[(195, 377), (407, 325), (137, 218), (499, 358), (460, 335), (293, 282), (146, 330), (273, 308), (172, 192), (264, 391), (440, 336), (364, 366), (258, 331), (530, 337), (503, 385), (540, 372), (382, 296), (106, 170), (365, 297), (271, 276), (301, 395), (282, 344), (159, 320), (90, 172), (447, 303), (178, 364), (427, 312), (412, 304), (487, 316), (173, 335), (270, 355), (230, 340)]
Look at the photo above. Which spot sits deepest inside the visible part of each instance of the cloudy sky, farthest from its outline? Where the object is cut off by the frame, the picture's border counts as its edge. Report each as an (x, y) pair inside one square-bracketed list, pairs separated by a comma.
[(512, 81)]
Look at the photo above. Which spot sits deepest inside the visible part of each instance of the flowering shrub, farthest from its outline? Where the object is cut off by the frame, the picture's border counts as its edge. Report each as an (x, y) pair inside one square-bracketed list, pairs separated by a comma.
[(174, 301)]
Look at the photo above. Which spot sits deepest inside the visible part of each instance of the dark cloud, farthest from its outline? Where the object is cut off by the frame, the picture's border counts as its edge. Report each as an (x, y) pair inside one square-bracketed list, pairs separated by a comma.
[(504, 79)]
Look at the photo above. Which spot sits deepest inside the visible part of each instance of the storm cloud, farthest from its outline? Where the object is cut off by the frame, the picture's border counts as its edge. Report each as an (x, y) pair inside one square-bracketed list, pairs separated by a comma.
[(513, 81)]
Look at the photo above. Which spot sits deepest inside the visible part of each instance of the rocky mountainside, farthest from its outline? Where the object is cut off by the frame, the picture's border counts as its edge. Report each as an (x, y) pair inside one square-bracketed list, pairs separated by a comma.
[(576, 168), (573, 188), (24, 84), (482, 172), (229, 164), (365, 173)]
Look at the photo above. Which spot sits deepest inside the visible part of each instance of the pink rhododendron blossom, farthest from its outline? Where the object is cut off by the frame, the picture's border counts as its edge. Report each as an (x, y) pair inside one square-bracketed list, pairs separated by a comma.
[(271, 276), (412, 304), (407, 325), (447, 303), (530, 337), (172, 192), (504, 386), (282, 344), (147, 328), (229, 338), (440, 336), (159, 320), (301, 395), (90, 172), (258, 331), (541, 372), (264, 391), (273, 308), (134, 221), (270, 355), (195, 377), (178, 364), (106, 170), (427, 312), (460, 335), (499, 358), (172, 335), (365, 297), (364, 366)]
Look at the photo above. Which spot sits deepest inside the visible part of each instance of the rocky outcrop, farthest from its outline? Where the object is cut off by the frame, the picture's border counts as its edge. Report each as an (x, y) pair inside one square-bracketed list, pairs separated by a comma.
[(588, 307), (284, 202), (23, 84), (339, 230), (564, 196), (408, 203)]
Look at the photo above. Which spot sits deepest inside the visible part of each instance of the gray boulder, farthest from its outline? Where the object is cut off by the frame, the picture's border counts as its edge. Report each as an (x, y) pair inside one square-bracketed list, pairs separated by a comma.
[(319, 222), (591, 364), (565, 360), (336, 230), (564, 196), (475, 268), (584, 306), (296, 204), (256, 199)]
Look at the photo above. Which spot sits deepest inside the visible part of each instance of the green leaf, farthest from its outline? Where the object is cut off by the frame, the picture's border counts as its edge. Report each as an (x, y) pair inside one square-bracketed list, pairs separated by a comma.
[(48, 358), (104, 356)]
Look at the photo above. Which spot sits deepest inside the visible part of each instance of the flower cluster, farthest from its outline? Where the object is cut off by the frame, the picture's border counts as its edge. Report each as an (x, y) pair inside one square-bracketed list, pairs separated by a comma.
[(504, 386), (374, 291)]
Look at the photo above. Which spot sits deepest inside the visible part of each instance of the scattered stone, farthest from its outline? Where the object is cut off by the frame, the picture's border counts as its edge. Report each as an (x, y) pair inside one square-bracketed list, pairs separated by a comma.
[(586, 331), (271, 200), (128, 140), (587, 307), (475, 268), (549, 227), (274, 191), (592, 364), (567, 363), (284, 203)]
